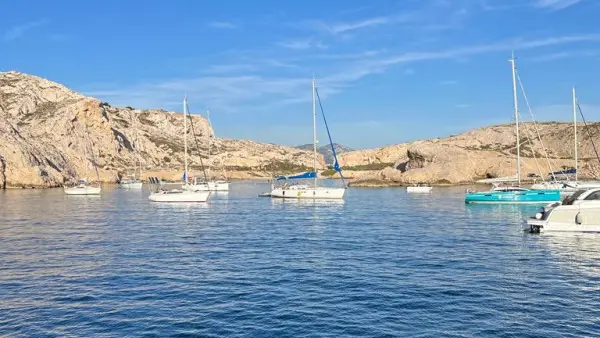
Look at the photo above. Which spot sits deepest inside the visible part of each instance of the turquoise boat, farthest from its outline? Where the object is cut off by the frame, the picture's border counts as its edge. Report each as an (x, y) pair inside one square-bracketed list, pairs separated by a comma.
[(513, 195)]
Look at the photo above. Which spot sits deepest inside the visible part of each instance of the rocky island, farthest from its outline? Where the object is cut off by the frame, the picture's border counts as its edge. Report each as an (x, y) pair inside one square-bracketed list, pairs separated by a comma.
[(44, 129), (487, 152), (45, 126)]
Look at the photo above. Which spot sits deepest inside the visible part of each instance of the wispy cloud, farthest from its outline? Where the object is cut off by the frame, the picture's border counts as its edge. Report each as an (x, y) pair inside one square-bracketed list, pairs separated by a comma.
[(349, 56), (20, 30), (229, 93), (516, 45), (280, 64), (449, 82), (552, 5), (225, 89), (488, 5), (565, 55), (229, 68), (306, 43), (343, 27), (556, 5), (222, 25), (247, 66)]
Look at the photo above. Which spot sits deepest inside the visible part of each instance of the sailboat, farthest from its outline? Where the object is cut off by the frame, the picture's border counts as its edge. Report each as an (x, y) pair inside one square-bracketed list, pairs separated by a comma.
[(311, 191), (211, 184), (565, 186), (131, 181), (83, 186), (187, 193), (513, 193)]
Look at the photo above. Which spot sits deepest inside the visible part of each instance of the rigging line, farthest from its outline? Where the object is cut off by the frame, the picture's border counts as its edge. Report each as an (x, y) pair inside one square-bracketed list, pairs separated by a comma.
[(529, 139), (336, 165), (587, 129), (197, 146), (214, 136), (537, 130)]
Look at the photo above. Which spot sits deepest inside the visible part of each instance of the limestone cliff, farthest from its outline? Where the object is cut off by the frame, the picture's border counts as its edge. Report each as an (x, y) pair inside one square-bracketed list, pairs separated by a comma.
[(481, 153), (50, 134)]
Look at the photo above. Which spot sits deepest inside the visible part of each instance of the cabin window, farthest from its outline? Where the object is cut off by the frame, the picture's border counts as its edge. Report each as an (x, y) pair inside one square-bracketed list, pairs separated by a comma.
[(593, 196)]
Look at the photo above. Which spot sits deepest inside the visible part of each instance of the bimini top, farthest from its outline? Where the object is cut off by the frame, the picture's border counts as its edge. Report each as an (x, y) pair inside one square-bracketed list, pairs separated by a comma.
[(563, 172), (309, 174)]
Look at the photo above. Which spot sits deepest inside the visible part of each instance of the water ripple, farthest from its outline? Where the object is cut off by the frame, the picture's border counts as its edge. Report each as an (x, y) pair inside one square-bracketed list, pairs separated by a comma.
[(380, 264)]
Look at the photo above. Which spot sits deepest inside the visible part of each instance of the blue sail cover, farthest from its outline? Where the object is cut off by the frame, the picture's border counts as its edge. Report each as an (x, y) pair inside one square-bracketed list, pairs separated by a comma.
[(563, 172), (309, 174), (336, 165)]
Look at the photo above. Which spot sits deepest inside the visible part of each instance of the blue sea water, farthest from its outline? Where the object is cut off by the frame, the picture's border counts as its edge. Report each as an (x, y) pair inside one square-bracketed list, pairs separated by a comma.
[(380, 264)]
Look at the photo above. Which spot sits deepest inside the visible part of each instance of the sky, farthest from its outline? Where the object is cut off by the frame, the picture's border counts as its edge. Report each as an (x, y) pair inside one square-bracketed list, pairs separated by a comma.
[(387, 71)]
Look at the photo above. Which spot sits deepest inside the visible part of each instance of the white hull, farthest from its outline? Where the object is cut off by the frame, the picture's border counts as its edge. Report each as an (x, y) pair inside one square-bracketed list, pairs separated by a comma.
[(83, 190), (133, 185), (567, 187), (179, 196), (568, 218), (309, 193), (552, 186), (219, 186), (418, 189)]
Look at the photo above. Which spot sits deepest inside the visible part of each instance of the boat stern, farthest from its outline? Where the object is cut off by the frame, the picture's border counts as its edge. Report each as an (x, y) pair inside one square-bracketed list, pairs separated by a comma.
[(533, 224)]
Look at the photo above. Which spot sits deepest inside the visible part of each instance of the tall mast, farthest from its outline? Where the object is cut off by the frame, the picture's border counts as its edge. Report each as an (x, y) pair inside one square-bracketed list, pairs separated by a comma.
[(314, 107), (209, 141), (516, 103), (185, 112), (575, 131)]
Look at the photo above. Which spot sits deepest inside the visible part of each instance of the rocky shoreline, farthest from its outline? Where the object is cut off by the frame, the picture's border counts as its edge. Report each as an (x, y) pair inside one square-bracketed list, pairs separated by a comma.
[(50, 135)]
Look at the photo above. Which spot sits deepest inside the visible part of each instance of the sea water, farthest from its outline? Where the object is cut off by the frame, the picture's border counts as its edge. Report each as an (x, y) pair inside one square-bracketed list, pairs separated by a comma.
[(380, 264)]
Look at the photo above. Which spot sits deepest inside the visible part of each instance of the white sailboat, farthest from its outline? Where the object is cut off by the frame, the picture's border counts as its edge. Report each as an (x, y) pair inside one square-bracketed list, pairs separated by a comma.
[(133, 182), (306, 191), (187, 193), (567, 187), (419, 188), (212, 184), (83, 186)]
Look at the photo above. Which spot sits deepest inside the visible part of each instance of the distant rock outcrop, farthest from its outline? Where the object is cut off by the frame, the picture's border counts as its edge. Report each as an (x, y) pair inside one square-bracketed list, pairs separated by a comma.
[(482, 153), (326, 150), (44, 127)]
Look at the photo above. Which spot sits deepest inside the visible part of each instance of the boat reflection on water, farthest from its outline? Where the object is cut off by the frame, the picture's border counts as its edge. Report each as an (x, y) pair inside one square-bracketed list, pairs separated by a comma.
[(577, 252), (299, 201), (513, 213), (219, 193), (180, 206)]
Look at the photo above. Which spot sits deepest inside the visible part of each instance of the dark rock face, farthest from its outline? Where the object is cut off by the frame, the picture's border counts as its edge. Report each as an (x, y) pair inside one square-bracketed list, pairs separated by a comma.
[(2, 172)]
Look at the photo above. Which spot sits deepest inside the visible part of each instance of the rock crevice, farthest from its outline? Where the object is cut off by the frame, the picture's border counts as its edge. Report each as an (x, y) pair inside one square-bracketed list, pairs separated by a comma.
[(46, 127)]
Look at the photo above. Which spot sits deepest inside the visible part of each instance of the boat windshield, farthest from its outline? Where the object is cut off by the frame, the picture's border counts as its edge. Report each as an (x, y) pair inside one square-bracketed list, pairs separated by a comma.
[(572, 198)]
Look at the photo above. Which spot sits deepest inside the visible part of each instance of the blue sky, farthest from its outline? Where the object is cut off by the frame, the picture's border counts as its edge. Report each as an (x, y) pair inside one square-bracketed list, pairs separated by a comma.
[(388, 71)]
